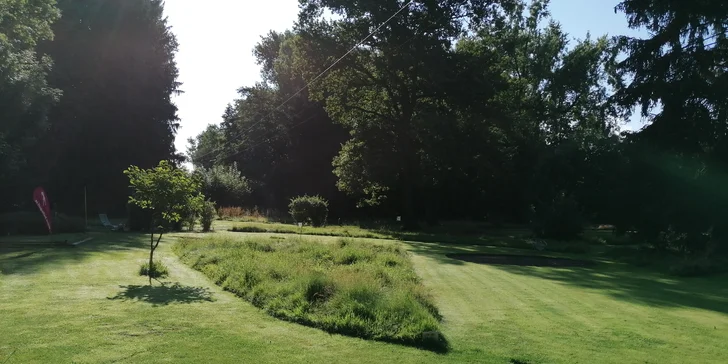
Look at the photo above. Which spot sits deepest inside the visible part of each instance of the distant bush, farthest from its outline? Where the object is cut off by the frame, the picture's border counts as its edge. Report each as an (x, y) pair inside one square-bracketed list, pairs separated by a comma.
[(224, 184), (558, 218), (33, 223), (309, 210), (698, 267), (207, 216), (352, 288), (159, 270)]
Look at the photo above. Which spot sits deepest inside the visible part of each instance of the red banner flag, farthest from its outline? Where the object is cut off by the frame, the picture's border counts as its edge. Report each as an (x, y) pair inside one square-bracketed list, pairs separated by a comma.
[(41, 199)]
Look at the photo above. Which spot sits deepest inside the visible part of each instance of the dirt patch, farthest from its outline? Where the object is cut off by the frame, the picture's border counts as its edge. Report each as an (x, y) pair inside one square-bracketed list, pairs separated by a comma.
[(522, 260)]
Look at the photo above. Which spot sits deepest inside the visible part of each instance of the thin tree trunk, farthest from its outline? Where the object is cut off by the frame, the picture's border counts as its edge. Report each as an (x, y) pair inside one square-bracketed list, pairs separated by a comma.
[(151, 253)]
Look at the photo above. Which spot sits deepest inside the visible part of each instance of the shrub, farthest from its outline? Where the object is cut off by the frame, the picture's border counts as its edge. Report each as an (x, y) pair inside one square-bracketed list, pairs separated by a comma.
[(224, 184), (231, 212), (558, 218), (33, 223), (309, 210), (159, 270), (208, 215), (352, 288)]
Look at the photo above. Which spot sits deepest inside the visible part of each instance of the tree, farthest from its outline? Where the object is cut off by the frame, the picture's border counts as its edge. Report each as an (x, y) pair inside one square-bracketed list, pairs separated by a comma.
[(389, 90), (168, 192), (282, 142), (224, 185), (25, 95), (114, 61), (678, 78)]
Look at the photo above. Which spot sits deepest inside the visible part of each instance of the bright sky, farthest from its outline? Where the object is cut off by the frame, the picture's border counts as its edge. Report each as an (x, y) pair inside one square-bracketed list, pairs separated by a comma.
[(217, 38)]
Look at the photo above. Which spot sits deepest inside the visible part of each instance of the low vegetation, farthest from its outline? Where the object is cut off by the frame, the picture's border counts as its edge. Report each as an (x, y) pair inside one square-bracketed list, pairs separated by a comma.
[(159, 270), (352, 288), (237, 213)]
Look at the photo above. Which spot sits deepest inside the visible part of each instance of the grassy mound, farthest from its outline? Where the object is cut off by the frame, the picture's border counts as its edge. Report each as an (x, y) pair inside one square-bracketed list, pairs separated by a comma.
[(352, 288)]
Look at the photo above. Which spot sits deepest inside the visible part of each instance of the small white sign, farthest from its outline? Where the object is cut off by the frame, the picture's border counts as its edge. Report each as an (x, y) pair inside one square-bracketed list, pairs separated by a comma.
[(399, 218), (300, 224)]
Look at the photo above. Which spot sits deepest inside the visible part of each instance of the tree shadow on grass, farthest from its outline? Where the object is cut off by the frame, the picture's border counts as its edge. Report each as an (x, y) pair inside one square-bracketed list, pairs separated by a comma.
[(164, 294), (26, 255), (639, 285)]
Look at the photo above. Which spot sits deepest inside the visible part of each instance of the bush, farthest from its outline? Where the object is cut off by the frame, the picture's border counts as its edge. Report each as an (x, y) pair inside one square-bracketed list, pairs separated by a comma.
[(352, 288), (159, 270), (224, 184), (309, 210), (207, 216), (33, 223), (558, 219)]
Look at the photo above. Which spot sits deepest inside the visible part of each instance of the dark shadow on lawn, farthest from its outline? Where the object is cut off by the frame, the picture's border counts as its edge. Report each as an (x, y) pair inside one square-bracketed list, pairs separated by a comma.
[(638, 285), (25, 256), (164, 294), (440, 252), (521, 260)]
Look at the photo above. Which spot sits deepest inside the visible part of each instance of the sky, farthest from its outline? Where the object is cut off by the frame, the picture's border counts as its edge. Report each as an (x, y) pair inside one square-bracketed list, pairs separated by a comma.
[(217, 37)]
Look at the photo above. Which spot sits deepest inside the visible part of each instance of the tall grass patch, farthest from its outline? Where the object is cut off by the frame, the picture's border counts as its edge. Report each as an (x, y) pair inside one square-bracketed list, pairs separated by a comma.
[(348, 287)]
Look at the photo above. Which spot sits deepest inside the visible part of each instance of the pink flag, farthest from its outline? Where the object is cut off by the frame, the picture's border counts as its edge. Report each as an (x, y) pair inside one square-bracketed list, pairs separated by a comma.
[(41, 199)]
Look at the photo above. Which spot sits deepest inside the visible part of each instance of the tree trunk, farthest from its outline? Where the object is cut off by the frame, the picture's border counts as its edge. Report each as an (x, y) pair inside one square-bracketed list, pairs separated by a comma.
[(151, 253)]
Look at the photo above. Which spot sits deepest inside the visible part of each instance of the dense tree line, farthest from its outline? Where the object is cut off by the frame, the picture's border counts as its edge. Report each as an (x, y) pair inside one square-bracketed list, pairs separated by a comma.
[(88, 94), (474, 109), (489, 110)]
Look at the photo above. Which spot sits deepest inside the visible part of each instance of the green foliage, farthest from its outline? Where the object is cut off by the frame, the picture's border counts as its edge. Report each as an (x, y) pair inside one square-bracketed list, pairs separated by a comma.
[(357, 289), (283, 149), (25, 94), (114, 62), (33, 223), (309, 210), (672, 183), (159, 270), (225, 184), (207, 216), (558, 218), (167, 191)]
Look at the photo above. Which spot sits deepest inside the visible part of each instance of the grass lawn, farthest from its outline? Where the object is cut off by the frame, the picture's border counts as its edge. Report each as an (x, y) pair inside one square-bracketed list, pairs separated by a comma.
[(87, 304)]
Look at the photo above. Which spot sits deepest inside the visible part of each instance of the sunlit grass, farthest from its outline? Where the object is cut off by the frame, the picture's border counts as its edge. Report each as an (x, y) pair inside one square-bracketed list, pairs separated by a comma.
[(87, 304)]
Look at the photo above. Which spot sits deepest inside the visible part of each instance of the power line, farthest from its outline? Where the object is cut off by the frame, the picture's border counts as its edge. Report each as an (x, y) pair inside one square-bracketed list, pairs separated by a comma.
[(320, 74)]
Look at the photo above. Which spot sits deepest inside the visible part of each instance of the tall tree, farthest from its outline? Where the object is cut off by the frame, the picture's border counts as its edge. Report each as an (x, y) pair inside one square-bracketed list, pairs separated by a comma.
[(678, 78), (24, 93), (280, 140), (389, 88), (115, 63)]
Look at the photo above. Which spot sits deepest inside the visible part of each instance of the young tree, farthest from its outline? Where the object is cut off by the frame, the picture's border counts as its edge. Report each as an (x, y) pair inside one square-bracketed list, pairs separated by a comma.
[(168, 192)]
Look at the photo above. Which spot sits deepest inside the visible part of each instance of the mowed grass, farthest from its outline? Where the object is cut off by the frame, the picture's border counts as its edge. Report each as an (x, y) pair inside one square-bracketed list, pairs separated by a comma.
[(348, 287), (88, 305)]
